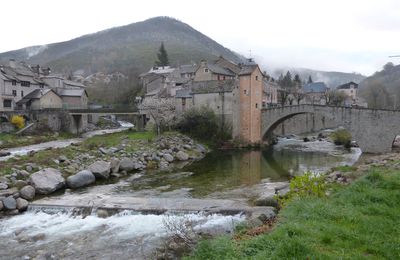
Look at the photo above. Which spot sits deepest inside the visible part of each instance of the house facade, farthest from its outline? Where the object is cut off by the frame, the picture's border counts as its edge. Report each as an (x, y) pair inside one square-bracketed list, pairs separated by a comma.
[(18, 79), (40, 99)]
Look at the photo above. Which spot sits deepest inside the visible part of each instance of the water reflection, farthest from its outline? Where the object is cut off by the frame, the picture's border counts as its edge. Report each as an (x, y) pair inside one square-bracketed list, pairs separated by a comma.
[(224, 170)]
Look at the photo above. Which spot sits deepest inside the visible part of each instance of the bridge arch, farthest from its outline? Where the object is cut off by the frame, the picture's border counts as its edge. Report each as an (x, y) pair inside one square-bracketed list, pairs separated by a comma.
[(268, 130), (374, 130)]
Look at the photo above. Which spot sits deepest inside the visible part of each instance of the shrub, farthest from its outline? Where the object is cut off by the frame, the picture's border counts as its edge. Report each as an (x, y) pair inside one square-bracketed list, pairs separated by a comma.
[(341, 137), (18, 121), (203, 124), (305, 185)]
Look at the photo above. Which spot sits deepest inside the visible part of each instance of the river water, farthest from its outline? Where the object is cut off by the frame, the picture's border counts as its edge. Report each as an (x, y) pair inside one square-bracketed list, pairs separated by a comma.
[(130, 235)]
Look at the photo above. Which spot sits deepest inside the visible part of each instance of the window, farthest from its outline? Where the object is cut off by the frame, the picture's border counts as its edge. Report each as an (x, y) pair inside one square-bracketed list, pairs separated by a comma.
[(14, 92), (256, 77), (22, 93), (206, 70), (14, 82), (256, 105), (183, 101), (41, 85), (7, 103), (245, 91), (25, 83)]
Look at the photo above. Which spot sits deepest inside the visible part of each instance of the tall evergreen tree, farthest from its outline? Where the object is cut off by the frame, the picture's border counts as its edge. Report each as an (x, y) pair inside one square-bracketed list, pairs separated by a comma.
[(309, 79), (162, 56)]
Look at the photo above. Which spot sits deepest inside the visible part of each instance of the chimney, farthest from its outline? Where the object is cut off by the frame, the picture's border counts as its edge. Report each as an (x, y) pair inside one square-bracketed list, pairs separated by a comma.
[(12, 63)]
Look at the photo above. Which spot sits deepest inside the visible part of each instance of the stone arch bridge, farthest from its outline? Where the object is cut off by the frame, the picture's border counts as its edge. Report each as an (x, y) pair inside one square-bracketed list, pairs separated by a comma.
[(374, 130)]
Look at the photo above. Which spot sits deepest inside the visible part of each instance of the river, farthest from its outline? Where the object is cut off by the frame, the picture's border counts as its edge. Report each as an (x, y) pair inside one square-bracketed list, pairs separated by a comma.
[(61, 234)]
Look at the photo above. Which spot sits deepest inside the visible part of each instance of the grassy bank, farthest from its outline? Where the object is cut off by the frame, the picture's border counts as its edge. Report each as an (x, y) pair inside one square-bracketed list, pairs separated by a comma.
[(131, 139), (357, 221)]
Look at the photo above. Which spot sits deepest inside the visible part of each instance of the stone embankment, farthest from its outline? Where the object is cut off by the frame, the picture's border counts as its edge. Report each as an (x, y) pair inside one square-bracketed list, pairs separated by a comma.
[(29, 180)]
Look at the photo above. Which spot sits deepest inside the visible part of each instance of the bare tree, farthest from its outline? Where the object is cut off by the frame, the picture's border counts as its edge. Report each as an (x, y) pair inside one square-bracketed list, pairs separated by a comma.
[(161, 110), (334, 97)]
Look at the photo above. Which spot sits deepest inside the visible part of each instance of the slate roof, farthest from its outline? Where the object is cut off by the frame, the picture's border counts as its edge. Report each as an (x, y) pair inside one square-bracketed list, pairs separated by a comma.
[(220, 70), (315, 87), (347, 85), (187, 69), (35, 94), (247, 69), (71, 92)]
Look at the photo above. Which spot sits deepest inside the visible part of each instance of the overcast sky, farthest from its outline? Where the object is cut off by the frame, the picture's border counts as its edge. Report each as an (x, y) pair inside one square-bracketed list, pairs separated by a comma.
[(340, 35)]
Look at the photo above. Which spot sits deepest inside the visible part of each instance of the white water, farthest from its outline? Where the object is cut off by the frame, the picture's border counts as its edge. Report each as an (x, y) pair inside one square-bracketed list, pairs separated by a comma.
[(66, 236)]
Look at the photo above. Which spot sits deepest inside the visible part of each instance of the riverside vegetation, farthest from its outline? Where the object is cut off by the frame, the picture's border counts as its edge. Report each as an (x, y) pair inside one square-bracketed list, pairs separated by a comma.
[(356, 217)]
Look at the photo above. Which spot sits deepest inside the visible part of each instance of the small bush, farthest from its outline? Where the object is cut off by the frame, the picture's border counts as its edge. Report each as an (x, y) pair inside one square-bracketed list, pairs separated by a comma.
[(341, 137), (204, 125), (18, 121), (302, 186)]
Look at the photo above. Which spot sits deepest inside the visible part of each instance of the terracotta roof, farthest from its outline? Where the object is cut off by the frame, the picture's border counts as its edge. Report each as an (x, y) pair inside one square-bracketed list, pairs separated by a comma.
[(347, 85)]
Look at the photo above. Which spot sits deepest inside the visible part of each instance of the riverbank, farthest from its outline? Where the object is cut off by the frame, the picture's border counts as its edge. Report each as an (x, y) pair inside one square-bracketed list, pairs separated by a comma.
[(97, 159), (356, 218)]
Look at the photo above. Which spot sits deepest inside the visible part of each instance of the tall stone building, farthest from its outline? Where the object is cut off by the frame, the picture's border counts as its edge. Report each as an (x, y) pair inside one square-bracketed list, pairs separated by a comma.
[(248, 98)]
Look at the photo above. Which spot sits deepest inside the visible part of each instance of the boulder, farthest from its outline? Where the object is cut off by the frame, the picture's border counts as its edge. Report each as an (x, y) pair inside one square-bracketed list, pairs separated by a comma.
[(10, 203), (168, 157), (1, 205), (22, 204), (27, 192), (182, 156), (8, 192), (62, 158), (82, 178), (4, 153), (115, 164), (126, 164), (3, 186), (19, 184), (267, 199), (47, 181), (100, 169)]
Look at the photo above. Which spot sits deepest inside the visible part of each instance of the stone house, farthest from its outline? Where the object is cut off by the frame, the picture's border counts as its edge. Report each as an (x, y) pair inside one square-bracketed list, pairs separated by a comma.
[(315, 93), (350, 91), (20, 79), (248, 97), (40, 99), (73, 98), (216, 95), (211, 71), (16, 81)]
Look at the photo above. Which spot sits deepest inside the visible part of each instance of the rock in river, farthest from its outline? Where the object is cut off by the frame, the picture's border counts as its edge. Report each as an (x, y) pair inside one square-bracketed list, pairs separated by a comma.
[(47, 181), (168, 157), (182, 156), (126, 164), (82, 178), (27, 192), (10, 203), (22, 204), (100, 169)]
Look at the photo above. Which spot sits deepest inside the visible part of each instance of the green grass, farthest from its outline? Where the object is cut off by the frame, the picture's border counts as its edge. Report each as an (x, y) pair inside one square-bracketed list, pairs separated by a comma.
[(359, 221)]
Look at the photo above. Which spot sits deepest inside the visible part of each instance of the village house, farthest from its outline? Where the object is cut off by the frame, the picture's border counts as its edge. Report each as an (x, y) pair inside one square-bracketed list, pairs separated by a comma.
[(40, 99), (235, 92), (18, 80), (315, 93), (350, 90)]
